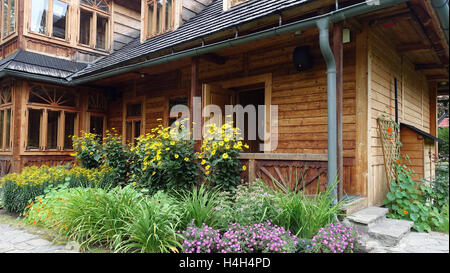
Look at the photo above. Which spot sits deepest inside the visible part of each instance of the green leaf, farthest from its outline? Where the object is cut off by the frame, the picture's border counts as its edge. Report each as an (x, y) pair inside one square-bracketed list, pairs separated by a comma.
[(390, 196), (414, 216)]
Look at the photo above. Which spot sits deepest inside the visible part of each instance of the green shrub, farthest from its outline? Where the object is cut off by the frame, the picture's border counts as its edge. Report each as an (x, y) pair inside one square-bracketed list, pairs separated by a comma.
[(19, 189), (440, 185), (252, 204), (407, 200), (164, 160), (220, 156), (444, 227), (115, 155), (153, 228), (88, 150), (443, 147)]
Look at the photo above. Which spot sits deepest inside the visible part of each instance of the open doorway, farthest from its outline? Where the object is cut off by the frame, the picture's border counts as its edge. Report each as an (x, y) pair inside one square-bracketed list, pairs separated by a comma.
[(253, 96), (251, 90)]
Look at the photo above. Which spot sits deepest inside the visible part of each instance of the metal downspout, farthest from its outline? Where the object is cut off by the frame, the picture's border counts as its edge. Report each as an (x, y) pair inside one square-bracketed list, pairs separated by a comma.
[(323, 26), (441, 9)]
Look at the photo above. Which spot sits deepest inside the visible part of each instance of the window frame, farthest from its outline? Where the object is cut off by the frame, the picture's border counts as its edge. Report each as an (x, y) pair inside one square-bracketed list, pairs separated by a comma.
[(93, 26), (43, 127), (133, 119), (49, 21), (97, 98), (164, 29), (9, 35), (5, 107)]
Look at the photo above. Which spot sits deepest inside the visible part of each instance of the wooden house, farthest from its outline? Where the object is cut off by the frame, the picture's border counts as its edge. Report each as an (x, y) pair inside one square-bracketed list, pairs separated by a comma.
[(93, 65)]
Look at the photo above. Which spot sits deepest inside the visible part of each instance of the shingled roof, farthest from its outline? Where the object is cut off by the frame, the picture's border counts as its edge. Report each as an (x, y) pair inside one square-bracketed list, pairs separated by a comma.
[(211, 20), (38, 64)]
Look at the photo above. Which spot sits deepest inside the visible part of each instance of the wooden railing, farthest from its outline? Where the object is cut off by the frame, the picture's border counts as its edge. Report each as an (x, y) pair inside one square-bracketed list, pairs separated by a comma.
[(307, 171)]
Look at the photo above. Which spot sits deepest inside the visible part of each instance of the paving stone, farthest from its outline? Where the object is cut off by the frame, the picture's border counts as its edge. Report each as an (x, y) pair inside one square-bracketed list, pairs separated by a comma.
[(368, 215), (390, 231), (17, 240)]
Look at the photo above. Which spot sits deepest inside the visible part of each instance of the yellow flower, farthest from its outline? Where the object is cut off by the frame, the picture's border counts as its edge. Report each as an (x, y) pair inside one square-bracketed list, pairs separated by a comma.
[(213, 152), (207, 167), (246, 146), (221, 143), (207, 172), (244, 168), (186, 159), (176, 156), (203, 162), (225, 156)]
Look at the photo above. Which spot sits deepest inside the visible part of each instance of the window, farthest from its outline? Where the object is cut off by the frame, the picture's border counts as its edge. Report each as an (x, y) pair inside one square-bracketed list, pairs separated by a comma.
[(227, 4), (5, 117), (133, 123), (60, 10), (8, 22), (52, 118), (160, 16), (94, 24), (49, 21), (85, 27), (97, 106)]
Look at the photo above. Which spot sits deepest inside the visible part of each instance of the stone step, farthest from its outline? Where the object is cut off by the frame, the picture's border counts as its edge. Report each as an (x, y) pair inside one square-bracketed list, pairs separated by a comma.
[(389, 232), (367, 217)]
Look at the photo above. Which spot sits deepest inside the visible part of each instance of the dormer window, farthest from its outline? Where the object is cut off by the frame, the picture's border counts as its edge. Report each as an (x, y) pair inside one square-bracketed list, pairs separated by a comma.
[(95, 23), (160, 16)]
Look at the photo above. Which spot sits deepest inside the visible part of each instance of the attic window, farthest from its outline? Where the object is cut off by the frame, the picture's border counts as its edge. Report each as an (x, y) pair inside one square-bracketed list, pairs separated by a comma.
[(160, 16), (227, 4)]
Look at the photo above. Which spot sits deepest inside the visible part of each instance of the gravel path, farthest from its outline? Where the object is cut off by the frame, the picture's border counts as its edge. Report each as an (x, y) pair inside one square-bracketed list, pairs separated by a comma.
[(16, 240)]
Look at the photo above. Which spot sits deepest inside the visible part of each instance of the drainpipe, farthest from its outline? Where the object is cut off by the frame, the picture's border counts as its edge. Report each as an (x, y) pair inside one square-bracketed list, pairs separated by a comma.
[(323, 26), (441, 9)]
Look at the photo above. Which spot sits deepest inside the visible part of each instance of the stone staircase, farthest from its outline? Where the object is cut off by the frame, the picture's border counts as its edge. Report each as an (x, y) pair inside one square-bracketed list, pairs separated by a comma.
[(379, 231)]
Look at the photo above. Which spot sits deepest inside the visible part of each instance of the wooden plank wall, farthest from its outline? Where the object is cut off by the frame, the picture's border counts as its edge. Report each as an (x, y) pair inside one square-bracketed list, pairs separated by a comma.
[(413, 100), (300, 96), (127, 25)]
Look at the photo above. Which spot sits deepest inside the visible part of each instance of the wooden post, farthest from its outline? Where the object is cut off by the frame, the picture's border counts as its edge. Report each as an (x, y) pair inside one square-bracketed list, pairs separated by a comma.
[(364, 181), (192, 94), (338, 51)]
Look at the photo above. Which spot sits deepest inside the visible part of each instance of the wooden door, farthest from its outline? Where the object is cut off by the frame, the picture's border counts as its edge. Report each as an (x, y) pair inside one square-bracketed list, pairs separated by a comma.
[(216, 95)]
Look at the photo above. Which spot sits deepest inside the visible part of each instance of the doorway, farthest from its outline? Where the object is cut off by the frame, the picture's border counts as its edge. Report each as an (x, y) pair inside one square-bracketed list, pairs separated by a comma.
[(251, 96)]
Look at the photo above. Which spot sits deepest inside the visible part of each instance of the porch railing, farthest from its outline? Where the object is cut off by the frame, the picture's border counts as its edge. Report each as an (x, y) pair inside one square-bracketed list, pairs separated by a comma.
[(309, 171)]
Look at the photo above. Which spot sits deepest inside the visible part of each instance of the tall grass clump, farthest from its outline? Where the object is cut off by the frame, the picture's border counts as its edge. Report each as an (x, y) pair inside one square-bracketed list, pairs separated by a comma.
[(304, 214), (153, 228), (96, 216), (198, 206)]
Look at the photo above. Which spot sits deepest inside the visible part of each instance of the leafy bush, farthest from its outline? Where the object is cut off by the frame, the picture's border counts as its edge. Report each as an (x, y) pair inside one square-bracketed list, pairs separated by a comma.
[(407, 200), (115, 155), (249, 204), (19, 189), (256, 238), (444, 227), (440, 185), (443, 147), (164, 160), (153, 227), (88, 150), (336, 238), (220, 156)]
